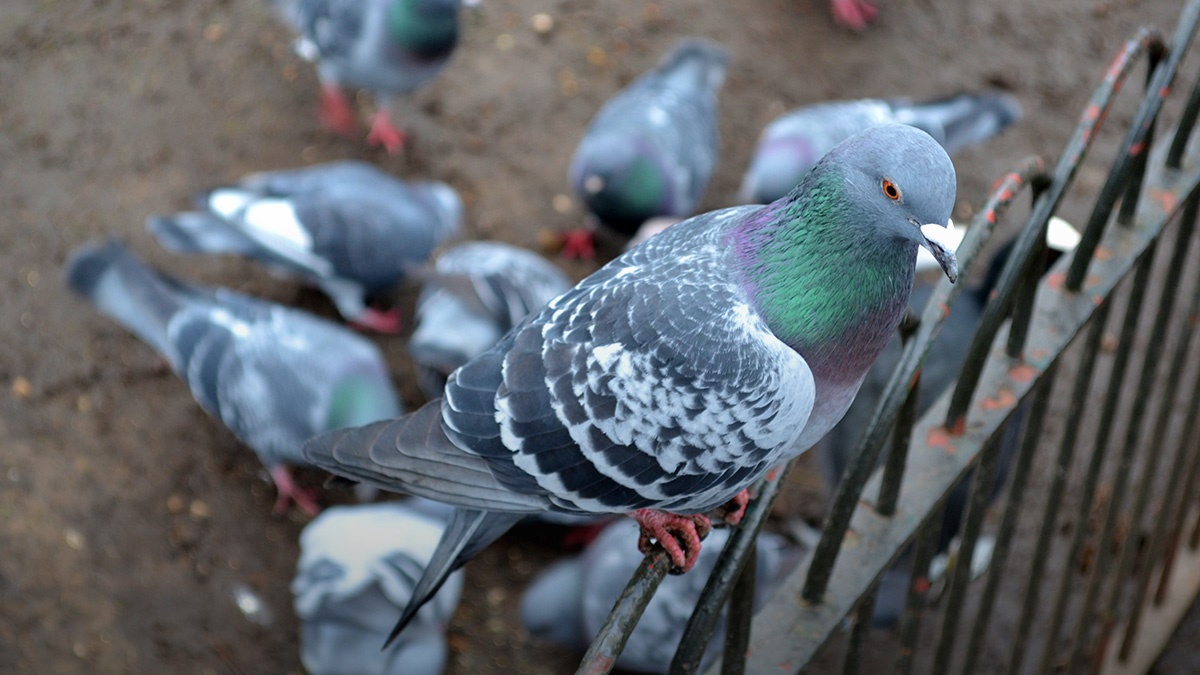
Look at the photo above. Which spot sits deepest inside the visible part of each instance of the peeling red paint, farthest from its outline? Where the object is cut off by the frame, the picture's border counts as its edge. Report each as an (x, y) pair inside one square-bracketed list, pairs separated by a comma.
[(1167, 201), (1103, 253), (939, 439), (1023, 373), (1056, 281), (921, 585), (1003, 399), (959, 426), (1097, 300), (1092, 280), (1039, 354)]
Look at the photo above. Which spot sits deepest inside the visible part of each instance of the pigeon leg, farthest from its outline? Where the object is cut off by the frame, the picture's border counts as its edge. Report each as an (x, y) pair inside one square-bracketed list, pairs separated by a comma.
[(579, 244), (736, 508), (290, 492), (335, 112), (679, 535), (381, 321), (853, 14), (384, 133)]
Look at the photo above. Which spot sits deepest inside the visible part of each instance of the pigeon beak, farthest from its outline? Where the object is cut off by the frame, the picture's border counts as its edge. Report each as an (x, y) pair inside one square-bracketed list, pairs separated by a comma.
[(593, 184), (938, 241)]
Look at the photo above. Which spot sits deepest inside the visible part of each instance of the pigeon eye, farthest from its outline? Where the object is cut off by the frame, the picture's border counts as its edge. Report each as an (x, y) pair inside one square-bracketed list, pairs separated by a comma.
[(890, 189)]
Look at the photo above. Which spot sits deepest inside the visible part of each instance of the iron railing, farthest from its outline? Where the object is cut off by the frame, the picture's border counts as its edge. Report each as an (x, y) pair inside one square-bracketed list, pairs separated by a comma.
[(1111, 578)]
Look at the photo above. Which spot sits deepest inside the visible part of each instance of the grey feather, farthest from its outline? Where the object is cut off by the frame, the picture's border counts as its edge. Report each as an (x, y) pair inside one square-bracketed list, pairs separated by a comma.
[(358, 566), (793, 142), (274, 376), (651, 149), (346, 226), (478, 292)]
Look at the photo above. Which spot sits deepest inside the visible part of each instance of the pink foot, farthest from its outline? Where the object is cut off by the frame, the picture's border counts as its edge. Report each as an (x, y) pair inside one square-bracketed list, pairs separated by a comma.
[(289, 493), (853, 14), (679, 535), (336, 113), (579, 244), (387, 322), (736, 508), (384, 133)]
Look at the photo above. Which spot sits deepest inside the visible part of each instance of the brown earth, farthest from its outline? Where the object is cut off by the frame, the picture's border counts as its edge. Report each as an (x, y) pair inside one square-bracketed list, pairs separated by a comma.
[(128, 516)]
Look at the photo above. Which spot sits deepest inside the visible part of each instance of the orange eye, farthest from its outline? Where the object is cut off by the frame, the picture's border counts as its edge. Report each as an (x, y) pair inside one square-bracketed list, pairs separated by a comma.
[(890, 189)]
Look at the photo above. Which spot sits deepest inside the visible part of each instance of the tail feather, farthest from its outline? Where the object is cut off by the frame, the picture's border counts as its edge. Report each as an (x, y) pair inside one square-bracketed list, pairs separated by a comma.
[(467, 533), (412, 454), (199, 232), (964, 119), (126, 290)]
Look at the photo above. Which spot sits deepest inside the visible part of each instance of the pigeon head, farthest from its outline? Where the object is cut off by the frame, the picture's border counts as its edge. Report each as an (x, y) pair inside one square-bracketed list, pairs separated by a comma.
[(623, 186), (427, 28)]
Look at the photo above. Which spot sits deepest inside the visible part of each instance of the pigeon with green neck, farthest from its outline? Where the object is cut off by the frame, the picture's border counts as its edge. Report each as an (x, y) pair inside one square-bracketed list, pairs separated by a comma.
[(273, 375), (677, 375)]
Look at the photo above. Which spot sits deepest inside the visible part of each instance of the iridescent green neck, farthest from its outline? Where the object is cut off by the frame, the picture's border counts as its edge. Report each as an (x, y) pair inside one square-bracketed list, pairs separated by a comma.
[(426, 27), (359, 400), (823, 278), (633, 195)]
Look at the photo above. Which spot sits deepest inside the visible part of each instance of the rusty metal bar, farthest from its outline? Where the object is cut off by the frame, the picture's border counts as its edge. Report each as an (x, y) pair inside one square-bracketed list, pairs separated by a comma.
[(1183, 243), (1133, 193), (1066, 453), (1030, 436), (601, 656), (863, 617), (1045, 205), (1125, 461), (1183, 132), (918, 587), (1023, 296), (844, 501), (725, 574), (741, 612), (897, 459), (1189, 489)]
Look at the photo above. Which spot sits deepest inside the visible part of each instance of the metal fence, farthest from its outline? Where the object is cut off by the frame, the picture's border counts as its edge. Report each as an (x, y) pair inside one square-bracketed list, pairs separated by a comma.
[(1102, 493)]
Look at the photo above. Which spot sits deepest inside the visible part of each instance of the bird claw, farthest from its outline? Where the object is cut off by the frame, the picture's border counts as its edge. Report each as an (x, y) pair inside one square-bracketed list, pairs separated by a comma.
[(290, 493), (579, 244), (733, 511), (335, 112), (387, 322), (678, 535), (853, 14), (384, 133)]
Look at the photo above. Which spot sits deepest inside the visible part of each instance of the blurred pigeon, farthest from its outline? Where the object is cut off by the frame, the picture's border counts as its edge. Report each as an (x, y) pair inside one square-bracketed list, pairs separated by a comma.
[(388, 47), (358, 565), (568, 602), (675, 376), (794, 141), (939, 372), (651, 148), (479, 291), (275, 376), (347, 227)]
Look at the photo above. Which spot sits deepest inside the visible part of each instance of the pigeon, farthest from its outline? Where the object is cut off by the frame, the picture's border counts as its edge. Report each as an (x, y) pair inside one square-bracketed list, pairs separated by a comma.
[(568, 602), (347, 227), (651, 148), (478, 292), (388, 47), (358, 565), (275, 376), (794, 141), (939, 372), (674, 377)]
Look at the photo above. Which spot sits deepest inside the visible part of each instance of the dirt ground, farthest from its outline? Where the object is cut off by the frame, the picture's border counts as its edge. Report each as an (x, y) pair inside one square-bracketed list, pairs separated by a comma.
[(128, 516)]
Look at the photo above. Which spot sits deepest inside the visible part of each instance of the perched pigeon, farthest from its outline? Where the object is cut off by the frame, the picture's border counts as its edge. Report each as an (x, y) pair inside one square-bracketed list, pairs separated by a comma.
[(569, 601), (650, 150), (794, 141), (479, 291), (675, 376), (275, 376), (388, 47), (939, 372), (347, 227), (358, 565)]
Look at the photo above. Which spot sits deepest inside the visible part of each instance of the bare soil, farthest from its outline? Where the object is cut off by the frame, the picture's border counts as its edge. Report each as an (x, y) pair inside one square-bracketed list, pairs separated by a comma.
[(127, 515)]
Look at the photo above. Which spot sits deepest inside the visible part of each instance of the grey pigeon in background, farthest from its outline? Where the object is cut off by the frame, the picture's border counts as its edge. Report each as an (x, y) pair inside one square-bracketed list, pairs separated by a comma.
[(939, 372), (388, 47), (568, 602), (478, 292), (651, 148), (794, 141), (347, 227), (673, 378), (275, 376), (358, 566)]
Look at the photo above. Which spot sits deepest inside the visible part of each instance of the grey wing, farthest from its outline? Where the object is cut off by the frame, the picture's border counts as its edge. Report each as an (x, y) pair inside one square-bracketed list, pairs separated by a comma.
[(330, 175), (651, 384), (824, 125), (332, 26)]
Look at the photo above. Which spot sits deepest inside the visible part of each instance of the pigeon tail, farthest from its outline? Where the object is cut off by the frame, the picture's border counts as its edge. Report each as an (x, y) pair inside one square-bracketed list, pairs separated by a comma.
[(128, 291), (412, 454), (198, 232), (697, 63), (468, 532), (963, 120)]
